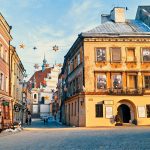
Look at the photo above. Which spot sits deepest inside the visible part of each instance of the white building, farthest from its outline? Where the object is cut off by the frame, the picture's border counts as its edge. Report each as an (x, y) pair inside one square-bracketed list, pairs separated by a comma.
[(43, 84)]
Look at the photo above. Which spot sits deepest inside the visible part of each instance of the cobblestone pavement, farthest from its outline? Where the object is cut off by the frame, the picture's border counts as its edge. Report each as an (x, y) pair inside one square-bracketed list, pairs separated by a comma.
[(118, 138), (38, 123)]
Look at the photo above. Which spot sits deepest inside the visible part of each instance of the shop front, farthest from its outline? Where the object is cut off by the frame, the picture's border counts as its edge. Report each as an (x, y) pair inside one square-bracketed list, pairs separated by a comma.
[(5, 113)]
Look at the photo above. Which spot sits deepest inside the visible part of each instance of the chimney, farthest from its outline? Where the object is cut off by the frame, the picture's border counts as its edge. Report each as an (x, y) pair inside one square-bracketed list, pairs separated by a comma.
[(118, 14), (105, 18)]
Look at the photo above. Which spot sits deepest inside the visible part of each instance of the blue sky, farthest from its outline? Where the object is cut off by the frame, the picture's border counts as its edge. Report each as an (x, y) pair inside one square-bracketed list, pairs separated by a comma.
[(45, 23)]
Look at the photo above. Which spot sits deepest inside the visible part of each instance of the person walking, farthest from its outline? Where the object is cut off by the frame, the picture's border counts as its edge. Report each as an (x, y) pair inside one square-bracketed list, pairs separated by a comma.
[(29, 118)]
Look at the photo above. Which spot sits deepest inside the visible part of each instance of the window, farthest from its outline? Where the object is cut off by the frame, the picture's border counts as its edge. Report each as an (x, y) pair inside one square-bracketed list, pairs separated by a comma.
[(147, 82), (99, 110), (101, 54), (116, 54), (101, 81), (148, 110), (146, 54), (130, 54), (35, 96), (0, 49), (78, 59), (75, 108), (117, 81), (75, 62), (132, 81), (6, 84), (68, 68), (1, 81), (72, 109)]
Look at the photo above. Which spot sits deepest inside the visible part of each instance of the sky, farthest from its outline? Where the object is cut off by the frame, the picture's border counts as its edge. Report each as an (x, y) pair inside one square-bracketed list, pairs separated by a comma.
[(45, 23)]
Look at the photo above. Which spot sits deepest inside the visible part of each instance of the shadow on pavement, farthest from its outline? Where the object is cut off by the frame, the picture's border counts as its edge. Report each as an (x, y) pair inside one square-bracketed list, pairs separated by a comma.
[(39, 123)]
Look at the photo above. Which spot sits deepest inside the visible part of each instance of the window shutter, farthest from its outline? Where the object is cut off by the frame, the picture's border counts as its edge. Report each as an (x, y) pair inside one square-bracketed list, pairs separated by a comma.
[(116, 54)]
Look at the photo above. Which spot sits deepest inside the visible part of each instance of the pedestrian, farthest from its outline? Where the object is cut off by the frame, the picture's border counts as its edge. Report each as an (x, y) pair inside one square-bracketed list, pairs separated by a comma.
[(29, 118), (44, 121)]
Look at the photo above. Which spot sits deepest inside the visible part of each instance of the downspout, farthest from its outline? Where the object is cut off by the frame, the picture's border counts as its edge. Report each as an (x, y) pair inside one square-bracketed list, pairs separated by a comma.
[(10, 66), (78, 112)]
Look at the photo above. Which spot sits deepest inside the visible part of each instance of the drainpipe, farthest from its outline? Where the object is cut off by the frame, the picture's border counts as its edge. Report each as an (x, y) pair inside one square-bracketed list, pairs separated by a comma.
[(78, 112)]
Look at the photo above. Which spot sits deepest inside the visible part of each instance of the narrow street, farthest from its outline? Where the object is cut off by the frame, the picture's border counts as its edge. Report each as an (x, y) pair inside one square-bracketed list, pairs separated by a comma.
[(39, 124), (118, 138)]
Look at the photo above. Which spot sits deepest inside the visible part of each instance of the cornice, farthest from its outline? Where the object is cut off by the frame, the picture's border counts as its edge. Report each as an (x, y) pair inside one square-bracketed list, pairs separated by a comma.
[(141, 39)]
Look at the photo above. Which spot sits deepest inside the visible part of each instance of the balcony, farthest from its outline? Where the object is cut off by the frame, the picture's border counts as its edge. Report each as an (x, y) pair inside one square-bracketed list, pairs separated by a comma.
[(126, 92)]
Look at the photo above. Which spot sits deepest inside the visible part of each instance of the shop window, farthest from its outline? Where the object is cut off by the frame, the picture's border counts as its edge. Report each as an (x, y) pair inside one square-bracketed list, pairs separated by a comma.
[(101, 54), (116, 54), (132, 81), (148, 110), (42, 100), (147, 82), (130, 54), (117, 81), (6, 110), (99, 110), (101, 81), (146, 54)]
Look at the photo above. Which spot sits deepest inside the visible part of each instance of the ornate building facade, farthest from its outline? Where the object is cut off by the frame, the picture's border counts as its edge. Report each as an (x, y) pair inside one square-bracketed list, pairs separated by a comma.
[(107, 74)]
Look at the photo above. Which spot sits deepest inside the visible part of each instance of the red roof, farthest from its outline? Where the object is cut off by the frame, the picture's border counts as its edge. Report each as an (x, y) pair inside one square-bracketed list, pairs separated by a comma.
[(39, 77)]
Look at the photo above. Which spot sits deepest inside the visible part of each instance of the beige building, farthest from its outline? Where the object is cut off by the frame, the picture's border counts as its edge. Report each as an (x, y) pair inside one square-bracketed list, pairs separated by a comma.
[(107, 74), (17, 76)]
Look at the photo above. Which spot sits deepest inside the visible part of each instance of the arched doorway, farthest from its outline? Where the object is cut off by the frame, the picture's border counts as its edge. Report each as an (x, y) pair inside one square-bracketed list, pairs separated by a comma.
[(124, 113)]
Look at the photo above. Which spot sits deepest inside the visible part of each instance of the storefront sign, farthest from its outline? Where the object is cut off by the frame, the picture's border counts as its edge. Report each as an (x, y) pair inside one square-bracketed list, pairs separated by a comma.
[(108, 102), (109, 112), (141, 111), (16, 108)]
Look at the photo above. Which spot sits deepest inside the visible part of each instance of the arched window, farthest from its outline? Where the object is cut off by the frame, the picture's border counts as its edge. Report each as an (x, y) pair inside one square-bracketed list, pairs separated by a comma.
[(35, 96)]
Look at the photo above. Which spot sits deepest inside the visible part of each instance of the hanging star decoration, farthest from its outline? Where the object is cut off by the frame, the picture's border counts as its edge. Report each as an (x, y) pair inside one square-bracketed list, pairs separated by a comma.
[(34, 48), (22, 46), (59, 65), (55, 48), (36, 66)]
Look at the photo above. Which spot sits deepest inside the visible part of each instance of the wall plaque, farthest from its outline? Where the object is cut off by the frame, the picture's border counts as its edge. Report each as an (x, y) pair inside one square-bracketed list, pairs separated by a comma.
[(109, 112), (141, 112)]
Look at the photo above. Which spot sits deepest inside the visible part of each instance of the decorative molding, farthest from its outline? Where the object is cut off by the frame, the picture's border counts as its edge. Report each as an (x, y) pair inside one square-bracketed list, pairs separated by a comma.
[(116, 39)]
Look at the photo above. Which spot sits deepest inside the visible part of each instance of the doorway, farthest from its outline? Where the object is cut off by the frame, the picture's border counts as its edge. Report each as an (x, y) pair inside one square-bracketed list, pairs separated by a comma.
[(124, 113)]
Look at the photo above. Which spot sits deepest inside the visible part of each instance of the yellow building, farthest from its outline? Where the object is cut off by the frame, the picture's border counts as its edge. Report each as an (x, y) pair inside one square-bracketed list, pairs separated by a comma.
[(17, 75), (107, 74)]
